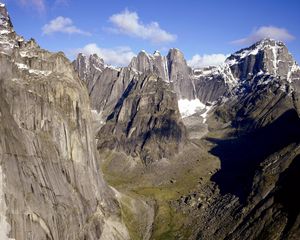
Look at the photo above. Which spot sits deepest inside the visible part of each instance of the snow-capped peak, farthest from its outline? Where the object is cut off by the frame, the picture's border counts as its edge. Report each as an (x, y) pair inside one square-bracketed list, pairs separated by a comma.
[(268, 56), (255, 49)]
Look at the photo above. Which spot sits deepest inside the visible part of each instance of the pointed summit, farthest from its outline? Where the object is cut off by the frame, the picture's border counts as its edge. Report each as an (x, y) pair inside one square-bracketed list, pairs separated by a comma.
[(8, 37), (6, 26)]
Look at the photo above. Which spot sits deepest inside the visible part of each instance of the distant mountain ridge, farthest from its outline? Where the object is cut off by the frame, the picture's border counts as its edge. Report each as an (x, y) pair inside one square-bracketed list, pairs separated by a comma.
[(252, 65)]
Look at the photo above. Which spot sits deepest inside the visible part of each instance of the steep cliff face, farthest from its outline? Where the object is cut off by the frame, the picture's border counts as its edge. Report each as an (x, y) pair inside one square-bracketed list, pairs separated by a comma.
[(89, 69), (213, 83), (109, 88), (180, 75), (106, 84), (145, 122), (50, 184)]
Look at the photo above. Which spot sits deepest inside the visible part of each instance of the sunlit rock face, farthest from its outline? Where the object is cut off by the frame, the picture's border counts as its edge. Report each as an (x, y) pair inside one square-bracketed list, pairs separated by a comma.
[(50, 183)]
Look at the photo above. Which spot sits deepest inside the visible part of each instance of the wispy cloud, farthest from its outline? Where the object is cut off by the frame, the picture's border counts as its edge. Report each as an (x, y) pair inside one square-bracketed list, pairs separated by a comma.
[(260, 33), (119, 56), (62, 25), (128, 23), (39, 5), (205, 60)]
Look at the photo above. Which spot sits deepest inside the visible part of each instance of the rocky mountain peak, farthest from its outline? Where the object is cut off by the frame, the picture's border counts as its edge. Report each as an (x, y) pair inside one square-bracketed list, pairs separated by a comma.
[(89, 68), (175, 53), (180, 74), (94, 58), (264, 57), (147, 63), (8, 37), (5, 23), (142, 62)]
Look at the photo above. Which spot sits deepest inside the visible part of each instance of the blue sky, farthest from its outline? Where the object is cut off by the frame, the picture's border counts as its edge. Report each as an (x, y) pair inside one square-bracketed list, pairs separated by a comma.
[(205, 31)]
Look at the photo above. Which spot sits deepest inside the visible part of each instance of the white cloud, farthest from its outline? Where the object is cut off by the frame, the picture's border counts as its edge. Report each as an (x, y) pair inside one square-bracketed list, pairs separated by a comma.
[(39, 5), (120, 56), (63, 25), (199, 61), (276, 33), (128, 23)]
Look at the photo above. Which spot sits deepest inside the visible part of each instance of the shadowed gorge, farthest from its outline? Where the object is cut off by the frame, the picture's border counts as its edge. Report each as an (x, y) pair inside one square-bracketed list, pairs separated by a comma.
[(241, 155), (289, 198)]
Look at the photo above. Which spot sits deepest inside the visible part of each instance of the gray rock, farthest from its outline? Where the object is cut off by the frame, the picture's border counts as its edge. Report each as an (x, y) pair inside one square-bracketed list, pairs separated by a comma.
[(148, 64), (145, 122), (50, 184), (172, 68), (180, 75), (265, 57), (89, 69)]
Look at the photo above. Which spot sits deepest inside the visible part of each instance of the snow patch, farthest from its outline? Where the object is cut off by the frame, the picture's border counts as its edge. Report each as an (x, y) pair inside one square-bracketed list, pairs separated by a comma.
[(39, 72), (294, 68), (156, 53), (113, 67), (221, 70), (21, 66), (97, 116), (189, 107), (204, 115), (33, 71), (274, 51), (4, 31)]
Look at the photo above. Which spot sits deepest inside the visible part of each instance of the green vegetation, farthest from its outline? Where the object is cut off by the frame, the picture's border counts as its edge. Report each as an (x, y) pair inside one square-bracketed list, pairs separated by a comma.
[(161, 186)]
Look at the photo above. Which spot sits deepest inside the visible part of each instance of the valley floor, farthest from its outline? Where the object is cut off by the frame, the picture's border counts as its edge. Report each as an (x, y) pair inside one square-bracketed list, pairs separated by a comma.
[(148, 195)]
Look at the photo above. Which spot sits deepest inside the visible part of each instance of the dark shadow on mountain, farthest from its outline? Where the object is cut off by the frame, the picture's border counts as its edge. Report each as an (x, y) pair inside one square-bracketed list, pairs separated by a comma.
[(288, 194), (241, 156)]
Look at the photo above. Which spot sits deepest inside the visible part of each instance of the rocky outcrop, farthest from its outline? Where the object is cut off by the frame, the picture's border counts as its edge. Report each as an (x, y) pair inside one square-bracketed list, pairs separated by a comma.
[(106, 84), (213, 83), (89, 69), (180, 75), (171, 68), (146, 63), (109, 88), (50, 184), (145, 121)]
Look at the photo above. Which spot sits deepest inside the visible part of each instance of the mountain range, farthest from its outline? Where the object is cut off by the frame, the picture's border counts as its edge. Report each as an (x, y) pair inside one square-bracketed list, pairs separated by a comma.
[(154, 150)]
